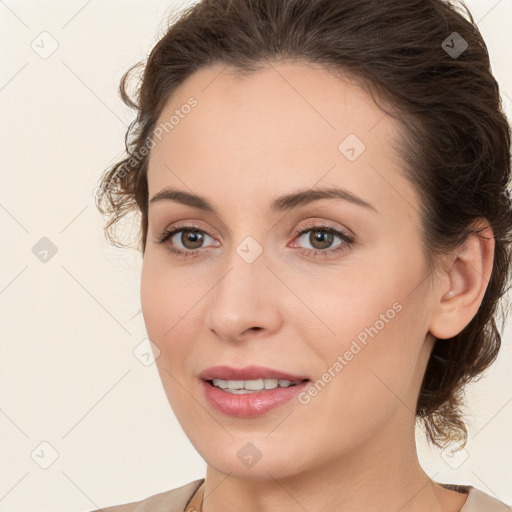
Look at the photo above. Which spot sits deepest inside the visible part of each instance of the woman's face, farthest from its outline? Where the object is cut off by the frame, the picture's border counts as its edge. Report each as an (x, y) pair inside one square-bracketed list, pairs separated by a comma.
[(349, 312)]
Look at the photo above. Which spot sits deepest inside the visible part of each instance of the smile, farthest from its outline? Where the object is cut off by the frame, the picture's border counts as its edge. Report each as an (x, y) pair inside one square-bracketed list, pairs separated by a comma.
[(251, 386)]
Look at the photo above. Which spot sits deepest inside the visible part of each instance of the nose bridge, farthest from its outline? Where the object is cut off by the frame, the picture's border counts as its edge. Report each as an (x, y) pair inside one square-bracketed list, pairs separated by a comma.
[(243, 297), (244, 272), (245, 261)]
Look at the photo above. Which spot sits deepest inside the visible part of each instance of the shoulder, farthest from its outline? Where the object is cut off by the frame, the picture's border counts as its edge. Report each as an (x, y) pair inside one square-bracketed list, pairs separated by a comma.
[(479, 501), (174, 500)]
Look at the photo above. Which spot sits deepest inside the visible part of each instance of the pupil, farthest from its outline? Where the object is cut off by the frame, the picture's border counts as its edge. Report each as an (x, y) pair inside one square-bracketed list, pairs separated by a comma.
[(196, 239), (321, 236)]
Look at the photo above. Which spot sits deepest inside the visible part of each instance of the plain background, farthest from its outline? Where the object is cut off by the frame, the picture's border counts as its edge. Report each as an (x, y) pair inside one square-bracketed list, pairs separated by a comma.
[(70, 325)]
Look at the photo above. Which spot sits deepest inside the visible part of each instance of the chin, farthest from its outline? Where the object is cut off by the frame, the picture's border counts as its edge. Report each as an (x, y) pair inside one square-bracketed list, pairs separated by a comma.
[(252, 460)]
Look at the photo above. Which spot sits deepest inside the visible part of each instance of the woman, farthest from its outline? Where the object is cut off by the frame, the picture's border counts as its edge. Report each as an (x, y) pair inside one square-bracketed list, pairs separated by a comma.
[(325, 230)]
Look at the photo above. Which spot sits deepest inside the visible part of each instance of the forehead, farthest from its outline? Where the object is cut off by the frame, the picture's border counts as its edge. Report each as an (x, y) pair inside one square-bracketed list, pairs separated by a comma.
[(284, 126)]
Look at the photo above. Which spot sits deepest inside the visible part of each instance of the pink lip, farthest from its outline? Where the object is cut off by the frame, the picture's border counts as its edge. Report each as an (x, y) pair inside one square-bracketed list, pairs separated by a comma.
[(249, 404), (247, 373)]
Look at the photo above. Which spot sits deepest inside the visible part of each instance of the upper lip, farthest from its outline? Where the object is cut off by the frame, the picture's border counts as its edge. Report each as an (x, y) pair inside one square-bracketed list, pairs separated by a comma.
[(247, 373)]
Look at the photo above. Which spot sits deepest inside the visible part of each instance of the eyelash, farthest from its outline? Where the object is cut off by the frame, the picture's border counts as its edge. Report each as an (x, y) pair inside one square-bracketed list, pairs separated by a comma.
[(349, 240)]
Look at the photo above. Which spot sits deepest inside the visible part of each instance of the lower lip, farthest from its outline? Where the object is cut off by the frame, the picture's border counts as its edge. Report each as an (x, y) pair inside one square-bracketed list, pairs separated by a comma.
[(248, 405)]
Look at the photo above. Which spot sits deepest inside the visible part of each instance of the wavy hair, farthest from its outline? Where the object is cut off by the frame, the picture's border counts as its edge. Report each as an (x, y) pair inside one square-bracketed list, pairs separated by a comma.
[(454, 135)]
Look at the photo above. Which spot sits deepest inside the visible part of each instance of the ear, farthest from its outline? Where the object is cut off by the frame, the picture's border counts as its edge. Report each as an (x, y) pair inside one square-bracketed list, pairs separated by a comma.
[(463, 282)]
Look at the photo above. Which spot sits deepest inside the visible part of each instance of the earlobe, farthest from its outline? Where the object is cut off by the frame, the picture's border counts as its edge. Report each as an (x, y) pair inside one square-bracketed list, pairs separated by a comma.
[(468, 277)]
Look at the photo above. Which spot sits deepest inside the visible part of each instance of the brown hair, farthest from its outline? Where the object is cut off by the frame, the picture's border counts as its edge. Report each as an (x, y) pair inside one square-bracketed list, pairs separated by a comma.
[(455, 138)]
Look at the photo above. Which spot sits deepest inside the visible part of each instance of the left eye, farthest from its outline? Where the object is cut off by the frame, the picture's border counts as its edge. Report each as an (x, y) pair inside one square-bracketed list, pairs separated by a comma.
[(321, 238)]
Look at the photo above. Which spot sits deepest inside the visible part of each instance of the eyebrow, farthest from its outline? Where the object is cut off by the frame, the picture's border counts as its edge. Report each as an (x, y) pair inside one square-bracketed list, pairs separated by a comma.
[(283, 203)]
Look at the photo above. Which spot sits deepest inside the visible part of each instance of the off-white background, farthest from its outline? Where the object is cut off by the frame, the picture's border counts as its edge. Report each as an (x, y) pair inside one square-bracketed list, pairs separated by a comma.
[(69, 376)]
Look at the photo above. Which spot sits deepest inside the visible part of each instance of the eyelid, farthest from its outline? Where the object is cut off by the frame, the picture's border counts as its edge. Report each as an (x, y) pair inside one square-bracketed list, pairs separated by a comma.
[(327, 225), (189, 226)]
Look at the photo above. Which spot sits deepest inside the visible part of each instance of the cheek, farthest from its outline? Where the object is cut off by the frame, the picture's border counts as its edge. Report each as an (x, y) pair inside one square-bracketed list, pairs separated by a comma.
[(154, 301), (345, 306), (167, 299), (363, 385), (172, 303), (366, 340), (166, 296)]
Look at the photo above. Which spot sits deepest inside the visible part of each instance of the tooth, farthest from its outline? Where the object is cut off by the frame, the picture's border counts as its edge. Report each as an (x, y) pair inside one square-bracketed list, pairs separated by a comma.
[(255, 385), (241, 386), (220, 383), (236, 384), (271, 383)]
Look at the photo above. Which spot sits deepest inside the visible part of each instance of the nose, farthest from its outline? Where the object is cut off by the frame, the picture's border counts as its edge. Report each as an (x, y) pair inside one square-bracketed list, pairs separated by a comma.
[(245, 301)]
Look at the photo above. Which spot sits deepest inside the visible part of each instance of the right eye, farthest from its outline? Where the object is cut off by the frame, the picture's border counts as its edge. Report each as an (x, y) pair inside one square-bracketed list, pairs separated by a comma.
[(190, 234)]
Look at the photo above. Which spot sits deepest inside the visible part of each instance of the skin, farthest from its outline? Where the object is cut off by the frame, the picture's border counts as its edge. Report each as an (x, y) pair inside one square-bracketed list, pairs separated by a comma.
[(249, 140)]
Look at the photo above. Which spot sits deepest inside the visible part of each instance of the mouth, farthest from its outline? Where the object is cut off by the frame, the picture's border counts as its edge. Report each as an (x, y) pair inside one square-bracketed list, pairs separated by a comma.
[(242, 387), (250, 391)]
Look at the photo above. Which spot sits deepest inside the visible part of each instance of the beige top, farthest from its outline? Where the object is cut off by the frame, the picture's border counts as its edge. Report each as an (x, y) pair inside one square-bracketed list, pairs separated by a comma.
[(188, 498)]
